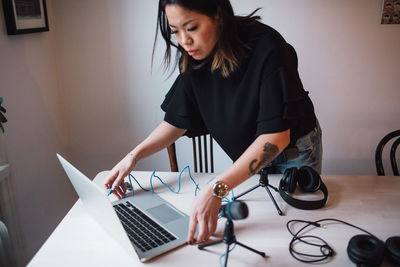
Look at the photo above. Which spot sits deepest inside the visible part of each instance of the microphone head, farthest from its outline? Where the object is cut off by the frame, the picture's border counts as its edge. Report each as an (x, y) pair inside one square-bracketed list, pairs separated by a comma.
[(235, 210)]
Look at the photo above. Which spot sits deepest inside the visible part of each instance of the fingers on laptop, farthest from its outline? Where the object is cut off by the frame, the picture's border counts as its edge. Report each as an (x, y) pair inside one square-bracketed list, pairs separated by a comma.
[(203, 230), (192, 230), (212, 227), (207, 228), (203, 234)]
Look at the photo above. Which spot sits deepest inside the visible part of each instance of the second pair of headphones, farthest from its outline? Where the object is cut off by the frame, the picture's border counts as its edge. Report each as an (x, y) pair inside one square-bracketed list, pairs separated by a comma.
[(309, 181), (367, 250)]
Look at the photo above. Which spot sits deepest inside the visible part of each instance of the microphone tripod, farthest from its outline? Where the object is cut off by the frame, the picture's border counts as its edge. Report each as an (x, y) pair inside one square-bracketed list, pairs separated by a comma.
[(263, 182), (229, 239)]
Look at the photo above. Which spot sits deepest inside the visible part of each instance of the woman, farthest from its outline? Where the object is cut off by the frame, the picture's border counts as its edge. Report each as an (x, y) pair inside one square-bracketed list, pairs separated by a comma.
[(239, 82)]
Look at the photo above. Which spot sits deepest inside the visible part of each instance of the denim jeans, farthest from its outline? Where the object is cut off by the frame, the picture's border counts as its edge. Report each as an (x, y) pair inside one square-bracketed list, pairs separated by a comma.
[(310, 152)]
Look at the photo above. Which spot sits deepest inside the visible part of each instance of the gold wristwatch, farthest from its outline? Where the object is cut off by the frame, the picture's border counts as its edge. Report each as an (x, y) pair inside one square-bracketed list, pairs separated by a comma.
[(220, 189)]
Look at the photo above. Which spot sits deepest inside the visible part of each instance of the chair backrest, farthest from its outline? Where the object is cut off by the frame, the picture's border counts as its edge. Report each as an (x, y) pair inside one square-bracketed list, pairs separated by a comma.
[(379, 150), (203, 154)]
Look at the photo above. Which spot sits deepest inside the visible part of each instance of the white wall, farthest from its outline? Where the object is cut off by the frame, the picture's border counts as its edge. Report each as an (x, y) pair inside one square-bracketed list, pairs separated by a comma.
[(33, 134), (111, 98), (85, 88)]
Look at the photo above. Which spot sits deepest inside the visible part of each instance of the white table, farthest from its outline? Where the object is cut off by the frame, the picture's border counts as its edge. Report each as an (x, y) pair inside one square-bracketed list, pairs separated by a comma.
[(370, 202)]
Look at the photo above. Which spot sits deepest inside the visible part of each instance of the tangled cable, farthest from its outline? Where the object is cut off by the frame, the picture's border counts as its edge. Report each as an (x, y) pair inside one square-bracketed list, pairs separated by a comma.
[(325, 249)]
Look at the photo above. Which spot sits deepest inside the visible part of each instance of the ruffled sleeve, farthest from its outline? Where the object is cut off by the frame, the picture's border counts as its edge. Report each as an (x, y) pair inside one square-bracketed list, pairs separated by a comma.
[(181, 109), (282, 97)]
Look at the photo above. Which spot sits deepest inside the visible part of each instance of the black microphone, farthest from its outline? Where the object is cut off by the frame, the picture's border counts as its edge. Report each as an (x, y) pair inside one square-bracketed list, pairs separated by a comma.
[(234, 210)]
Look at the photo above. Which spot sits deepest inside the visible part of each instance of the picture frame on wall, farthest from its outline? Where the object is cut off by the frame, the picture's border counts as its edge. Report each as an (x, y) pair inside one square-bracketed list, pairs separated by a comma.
[(390, 12), (25, 16)]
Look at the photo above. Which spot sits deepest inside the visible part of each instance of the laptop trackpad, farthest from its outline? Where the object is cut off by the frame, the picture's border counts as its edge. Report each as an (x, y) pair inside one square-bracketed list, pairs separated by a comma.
[(164, 213)]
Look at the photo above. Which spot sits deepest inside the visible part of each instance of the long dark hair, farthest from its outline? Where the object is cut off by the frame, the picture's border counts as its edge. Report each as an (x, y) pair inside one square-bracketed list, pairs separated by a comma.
[(230, 48)]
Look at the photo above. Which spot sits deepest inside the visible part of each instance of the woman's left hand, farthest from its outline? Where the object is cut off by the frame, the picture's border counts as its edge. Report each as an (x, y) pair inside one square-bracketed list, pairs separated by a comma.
[(205, 210)]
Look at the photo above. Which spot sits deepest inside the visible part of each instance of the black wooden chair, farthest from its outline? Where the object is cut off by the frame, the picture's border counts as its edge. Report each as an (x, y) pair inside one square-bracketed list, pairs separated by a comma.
[(379, 150), (203, 154)]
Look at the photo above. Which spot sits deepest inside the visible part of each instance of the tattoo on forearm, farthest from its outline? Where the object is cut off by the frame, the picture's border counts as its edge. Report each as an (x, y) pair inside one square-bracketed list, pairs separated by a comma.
[(270, 152)]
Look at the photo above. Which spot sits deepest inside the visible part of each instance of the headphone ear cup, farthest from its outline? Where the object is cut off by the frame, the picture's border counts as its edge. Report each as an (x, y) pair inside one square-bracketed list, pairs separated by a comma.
[(393, 249), (291, 179), (365, 249), (309, 180), (284, 183)]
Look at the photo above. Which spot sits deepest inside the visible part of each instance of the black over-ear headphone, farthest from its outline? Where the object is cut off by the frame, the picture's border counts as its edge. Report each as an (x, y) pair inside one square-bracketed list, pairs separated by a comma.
[(367, 250), (309, 181)]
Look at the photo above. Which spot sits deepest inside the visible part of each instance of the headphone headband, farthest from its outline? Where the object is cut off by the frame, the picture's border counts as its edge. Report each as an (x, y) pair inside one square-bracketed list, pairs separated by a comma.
[(303, 204)]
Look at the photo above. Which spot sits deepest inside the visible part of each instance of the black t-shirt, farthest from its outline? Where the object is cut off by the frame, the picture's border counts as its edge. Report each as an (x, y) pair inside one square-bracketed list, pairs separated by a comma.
[(264, 96)]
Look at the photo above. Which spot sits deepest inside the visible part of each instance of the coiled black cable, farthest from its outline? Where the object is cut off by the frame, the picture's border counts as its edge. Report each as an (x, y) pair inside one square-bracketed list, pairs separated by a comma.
[(325, 249)]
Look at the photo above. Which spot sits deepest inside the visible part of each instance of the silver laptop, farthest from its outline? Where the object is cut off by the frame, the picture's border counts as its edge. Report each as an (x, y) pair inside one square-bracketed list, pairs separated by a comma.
[(145, 224)]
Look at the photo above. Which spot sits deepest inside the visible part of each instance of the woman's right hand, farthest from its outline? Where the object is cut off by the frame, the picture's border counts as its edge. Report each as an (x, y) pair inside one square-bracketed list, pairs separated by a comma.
[(115, 178)]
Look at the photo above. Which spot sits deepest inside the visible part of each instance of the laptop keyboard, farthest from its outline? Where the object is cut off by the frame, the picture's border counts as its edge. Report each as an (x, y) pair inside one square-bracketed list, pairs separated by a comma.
[(144, 232)]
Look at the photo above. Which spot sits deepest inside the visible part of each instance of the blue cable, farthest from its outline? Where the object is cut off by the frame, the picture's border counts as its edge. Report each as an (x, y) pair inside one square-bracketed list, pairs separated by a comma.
[(179, 181), (144, 189), (224, 255), (154, 175), (229, 200), (190, 175), (233, 196), (226, 199), (130, 182), (151, 183)]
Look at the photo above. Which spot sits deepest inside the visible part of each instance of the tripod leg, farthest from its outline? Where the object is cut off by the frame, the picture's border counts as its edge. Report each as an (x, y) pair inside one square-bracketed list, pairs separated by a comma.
[(210, 244), (273, 201), (247, 191), (262, 254)]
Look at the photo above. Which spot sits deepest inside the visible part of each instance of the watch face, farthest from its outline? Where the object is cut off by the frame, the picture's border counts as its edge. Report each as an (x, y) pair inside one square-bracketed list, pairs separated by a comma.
[(221, 189)]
